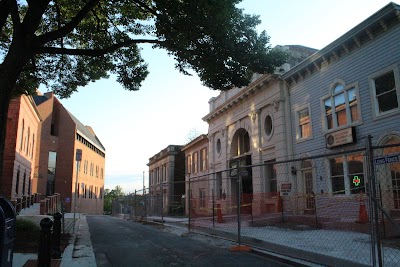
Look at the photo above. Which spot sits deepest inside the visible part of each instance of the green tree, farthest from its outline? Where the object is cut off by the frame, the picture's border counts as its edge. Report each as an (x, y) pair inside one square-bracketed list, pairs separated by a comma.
[(110, 196), (65, 44)]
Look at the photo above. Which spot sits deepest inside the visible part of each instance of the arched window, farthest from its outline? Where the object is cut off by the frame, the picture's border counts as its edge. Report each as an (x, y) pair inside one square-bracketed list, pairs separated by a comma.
[(240, 143), (22, 134), (17, 181), (27, 141), (341, 106)]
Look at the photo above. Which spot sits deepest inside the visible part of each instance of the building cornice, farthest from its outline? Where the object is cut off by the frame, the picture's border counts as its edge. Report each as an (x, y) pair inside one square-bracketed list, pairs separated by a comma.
[(240, 97), (195, 141), (377, 24)]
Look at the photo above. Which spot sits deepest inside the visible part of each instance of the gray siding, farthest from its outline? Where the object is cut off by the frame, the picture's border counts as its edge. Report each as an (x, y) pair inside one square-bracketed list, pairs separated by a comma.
[(373, 56)]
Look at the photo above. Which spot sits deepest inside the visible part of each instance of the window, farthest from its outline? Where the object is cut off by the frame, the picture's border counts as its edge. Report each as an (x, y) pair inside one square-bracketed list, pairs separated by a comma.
[(202, 194), (347, 174), (165, 172), (203, 159), (195, 162), (22, 134), (356, 174), (189, 164), (218, 146), (385, 86), (337, 176), (24, 183), (268, 125), (17, 181), (27, 141), (218, 187), (270, 170), (240, 143), (341, 106), (303, 121), (33, 145)]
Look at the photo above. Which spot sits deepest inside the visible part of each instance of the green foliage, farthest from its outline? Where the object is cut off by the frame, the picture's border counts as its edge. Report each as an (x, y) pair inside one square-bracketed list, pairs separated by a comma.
[(110, 196), (24, 225), (66, 44)]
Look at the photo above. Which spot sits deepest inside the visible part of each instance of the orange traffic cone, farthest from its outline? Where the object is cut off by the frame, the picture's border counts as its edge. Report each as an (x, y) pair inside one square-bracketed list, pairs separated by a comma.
[(219, 214), (362, 213)]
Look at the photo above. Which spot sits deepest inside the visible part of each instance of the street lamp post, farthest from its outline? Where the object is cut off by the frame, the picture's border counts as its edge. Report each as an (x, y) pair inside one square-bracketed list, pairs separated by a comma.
[(78, 157)]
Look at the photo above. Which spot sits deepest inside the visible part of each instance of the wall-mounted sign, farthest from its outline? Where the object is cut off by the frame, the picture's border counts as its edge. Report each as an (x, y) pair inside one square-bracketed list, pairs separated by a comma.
[(387, 159), (341, 137), (356, 180), (286, 188)]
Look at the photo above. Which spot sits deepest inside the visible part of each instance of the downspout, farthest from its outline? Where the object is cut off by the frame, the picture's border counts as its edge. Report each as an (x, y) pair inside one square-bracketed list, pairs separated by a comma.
[(258, 111)]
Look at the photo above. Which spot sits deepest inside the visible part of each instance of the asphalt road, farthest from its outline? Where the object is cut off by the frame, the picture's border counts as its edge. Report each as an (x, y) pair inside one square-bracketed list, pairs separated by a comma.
[(119, 242)]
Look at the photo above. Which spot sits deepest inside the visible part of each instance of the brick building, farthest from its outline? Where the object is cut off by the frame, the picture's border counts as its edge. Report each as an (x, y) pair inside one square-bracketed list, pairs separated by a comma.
[(61, 135), (20, 166)]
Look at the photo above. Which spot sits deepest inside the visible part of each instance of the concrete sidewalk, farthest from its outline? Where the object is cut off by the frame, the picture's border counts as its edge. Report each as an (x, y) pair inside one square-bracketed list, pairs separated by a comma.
[(79, 252)]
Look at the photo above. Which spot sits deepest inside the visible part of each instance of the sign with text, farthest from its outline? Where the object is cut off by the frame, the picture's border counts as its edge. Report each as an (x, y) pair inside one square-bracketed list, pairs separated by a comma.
[(387, 159), (341, 137), (286, 188)]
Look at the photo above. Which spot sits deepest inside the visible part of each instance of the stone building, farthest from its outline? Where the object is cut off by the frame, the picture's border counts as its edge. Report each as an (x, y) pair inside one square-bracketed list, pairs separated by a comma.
[(196, 156), (249, 126), (20, 165), (80, 183), (167, 180)]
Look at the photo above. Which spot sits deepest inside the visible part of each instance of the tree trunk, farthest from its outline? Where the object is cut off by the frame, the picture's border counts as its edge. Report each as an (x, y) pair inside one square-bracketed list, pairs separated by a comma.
[(5, 98), (10, 70)]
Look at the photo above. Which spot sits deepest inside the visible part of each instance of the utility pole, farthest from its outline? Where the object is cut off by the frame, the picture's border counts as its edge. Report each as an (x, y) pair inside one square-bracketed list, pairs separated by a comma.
[(78, 157)]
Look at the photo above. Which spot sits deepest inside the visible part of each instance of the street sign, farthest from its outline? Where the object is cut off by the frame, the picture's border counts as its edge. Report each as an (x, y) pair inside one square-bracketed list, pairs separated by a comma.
[(78, 155), (387, 159)]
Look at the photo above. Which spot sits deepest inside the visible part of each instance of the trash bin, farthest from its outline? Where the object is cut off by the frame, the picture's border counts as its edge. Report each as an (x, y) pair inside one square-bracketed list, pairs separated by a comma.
[(7, 232)]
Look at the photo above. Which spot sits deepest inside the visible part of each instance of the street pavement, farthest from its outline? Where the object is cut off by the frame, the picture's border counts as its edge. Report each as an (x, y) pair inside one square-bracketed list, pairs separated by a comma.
[(80, 251), (118, 242)]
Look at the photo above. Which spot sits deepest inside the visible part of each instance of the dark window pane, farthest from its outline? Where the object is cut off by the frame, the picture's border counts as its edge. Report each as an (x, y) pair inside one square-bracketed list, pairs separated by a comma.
[(385, 83), (387, 101)]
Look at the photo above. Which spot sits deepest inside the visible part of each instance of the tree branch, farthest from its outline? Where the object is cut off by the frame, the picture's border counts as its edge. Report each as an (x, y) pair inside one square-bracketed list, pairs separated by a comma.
[(4, 12), (145, 7), (69, 27), (34, 15), (92, 52), (13, 9)]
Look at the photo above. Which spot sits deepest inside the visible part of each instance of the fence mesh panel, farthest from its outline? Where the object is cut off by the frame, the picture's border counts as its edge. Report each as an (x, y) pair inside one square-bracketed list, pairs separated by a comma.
[(344, 207), (319, 205)]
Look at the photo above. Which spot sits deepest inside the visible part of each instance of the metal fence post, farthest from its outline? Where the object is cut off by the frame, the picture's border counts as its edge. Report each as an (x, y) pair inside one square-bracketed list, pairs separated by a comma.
[(145, 204), (374, 209), (239, 179), (134, 206), (213, 207), (189, 205), (162, 205)]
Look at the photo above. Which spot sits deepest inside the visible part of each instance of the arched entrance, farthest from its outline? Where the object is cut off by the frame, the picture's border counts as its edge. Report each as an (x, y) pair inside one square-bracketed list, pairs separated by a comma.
[(389, 174), (240, 157)]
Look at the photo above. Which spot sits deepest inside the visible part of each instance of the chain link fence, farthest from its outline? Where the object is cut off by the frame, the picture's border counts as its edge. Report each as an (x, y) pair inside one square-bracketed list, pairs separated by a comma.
[(147, 205), (332, 209), (335, 209)]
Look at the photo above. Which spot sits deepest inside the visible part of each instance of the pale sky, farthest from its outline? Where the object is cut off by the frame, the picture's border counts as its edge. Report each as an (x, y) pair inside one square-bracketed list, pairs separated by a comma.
[(134, 126)]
